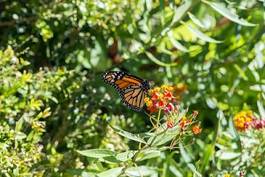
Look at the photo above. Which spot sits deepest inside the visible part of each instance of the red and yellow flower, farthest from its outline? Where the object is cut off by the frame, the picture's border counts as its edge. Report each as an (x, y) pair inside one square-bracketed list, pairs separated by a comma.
[(243, 119), (184, 122), (164, 98)]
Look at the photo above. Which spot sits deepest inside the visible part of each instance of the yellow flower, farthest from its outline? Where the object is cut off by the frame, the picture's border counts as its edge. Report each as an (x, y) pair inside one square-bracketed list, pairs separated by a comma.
[(148, 102), (242, 118), (154, 90), (39, 126), (167, 87), (180, 87), (227, 175)]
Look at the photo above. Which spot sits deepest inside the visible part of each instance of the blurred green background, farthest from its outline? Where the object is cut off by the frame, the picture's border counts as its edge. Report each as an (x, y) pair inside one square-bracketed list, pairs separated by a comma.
[(54, 102)]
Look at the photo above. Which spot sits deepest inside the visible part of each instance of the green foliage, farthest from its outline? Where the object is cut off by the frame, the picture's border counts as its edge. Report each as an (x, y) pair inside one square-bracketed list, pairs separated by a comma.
[(152, 145), (23, 110), (57, 117)]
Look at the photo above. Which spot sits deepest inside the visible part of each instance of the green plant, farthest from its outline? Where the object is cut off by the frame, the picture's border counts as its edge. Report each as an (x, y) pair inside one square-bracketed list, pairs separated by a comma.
[(170, 127), (53, 101)]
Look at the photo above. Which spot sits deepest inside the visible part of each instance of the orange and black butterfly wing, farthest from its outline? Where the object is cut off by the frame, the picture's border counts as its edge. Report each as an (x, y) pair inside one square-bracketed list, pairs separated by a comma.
[(121, 80), (131, 88), (133, 97)]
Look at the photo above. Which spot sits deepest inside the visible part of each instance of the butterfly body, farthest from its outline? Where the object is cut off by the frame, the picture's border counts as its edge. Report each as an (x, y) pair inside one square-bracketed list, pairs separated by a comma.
[(132, 89)]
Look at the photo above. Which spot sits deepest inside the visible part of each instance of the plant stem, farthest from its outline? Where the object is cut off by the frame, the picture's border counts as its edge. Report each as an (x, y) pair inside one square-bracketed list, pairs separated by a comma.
[(158, 118)]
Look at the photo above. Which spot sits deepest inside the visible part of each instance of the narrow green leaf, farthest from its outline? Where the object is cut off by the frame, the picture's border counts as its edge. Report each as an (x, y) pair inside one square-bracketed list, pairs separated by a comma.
[(148, 154), (19, 124), (220, 8), (175, 43), (261, 108), (201, 35), (258, 87), (163, 137), (79, 172), (208, 151), (140, 171), (194, 170), (125, 156), (184, 153), (134, 137), (196, 20), (162, 11), (225, 155), (114, 172), (241, 72), (211, 102), (87, 174), (149, 4), (20, 136), (96, 153), (175, 171), (181, 10), (155, 60), (110, 159), (233, 132)]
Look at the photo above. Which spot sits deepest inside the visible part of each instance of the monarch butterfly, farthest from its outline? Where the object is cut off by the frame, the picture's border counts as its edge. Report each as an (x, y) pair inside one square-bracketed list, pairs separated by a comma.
[(131, 89)]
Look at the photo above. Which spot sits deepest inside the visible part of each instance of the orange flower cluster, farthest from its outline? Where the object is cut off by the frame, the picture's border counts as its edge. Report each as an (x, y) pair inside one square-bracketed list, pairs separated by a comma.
[(243, 119), (185, 122), (196, 129), (164, 98)]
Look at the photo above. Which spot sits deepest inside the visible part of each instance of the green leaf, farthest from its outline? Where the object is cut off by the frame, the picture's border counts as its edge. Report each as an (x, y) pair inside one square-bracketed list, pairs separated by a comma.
[(179, 12), (125, 156), (19, 124), (227, 155), (87, 174), (220, 8), (201, 35), (208, 152), (149, 4), (194, 170), (211, 103), (96, 153), (20, 135), (258, 87), (175, 171), (162, 11), (196, 20), (114, 172), (134, 137), (148, 154), (175, 43), (110, 159), (241, 72), (184, 154), (155, 60), (163, 137), (261, 108), (79, 172), (140, 171)]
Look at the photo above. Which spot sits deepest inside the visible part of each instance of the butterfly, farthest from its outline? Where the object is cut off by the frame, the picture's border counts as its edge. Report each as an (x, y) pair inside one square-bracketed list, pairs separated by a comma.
[(131, 89)]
